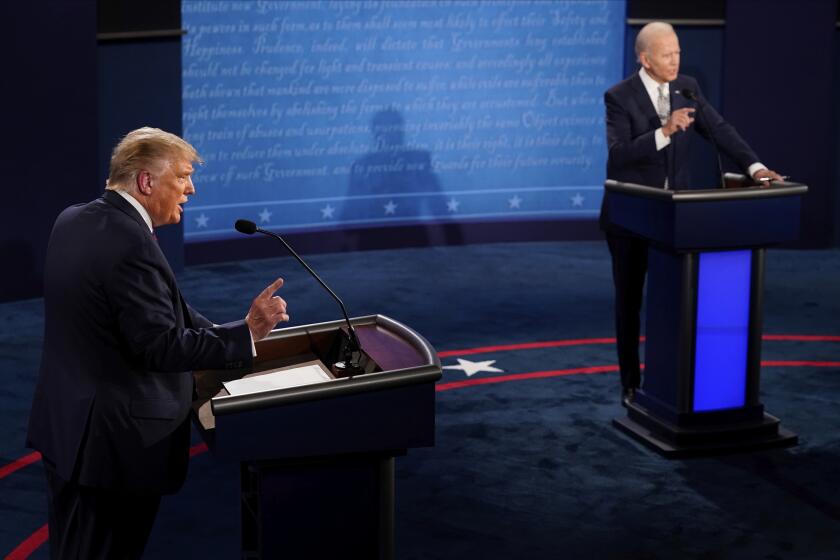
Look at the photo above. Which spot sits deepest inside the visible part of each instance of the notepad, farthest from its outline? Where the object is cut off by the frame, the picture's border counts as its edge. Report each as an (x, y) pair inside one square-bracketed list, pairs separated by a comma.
[(300, 375)]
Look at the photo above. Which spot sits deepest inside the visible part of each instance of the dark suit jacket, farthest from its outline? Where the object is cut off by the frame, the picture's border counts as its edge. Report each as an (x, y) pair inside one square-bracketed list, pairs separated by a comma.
[(112, 402), (631, 123)]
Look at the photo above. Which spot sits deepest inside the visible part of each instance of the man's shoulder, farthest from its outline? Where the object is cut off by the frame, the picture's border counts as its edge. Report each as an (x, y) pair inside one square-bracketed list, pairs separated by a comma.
[(684, 80), (101, 221), (624, 86)]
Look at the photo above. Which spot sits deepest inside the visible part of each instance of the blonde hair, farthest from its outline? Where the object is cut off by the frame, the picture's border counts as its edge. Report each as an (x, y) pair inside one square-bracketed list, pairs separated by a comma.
[(145, 148), (648, 32)]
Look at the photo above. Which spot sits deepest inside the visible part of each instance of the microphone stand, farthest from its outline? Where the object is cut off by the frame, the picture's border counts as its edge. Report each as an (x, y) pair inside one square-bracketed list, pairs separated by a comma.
[(350, 365)]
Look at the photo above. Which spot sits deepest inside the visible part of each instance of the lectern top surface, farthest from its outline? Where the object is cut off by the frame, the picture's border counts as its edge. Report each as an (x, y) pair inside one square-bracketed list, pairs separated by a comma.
[(778, 189)]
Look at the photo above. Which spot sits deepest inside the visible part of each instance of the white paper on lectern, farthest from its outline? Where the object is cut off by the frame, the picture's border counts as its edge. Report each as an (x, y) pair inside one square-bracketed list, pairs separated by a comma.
[(283, 378)]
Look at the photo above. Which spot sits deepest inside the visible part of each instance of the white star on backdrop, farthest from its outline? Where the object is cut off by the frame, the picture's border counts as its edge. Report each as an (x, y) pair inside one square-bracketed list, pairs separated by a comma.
[(452, 205), (390, 208), (471, 368), (265, 216), (577, 200), (327, 211), (515, 201), (202, 220)]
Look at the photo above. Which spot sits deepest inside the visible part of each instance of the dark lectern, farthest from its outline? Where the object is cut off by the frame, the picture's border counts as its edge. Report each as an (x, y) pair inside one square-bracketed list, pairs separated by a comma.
[(317, 461), (704, 312)]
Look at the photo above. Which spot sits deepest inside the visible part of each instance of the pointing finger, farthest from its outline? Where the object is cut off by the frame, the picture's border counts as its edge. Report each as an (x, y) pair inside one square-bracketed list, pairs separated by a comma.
[(271, 288)]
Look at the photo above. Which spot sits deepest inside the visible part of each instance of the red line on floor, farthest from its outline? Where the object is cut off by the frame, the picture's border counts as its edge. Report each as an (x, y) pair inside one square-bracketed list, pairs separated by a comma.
[(525, 346), (802, 337), (30, 545), (520, 376), (585, 341), (198, 449), (797, 363), (39, 537), (18, 464)]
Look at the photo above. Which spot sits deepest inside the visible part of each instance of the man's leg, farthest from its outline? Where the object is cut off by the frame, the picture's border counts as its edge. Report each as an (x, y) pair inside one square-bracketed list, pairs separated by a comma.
[(629, 262), (93, 523)]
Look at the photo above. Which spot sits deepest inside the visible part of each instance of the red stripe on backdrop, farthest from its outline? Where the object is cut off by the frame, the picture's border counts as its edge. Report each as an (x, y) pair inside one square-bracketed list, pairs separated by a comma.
[(30, 545), (18, 464)]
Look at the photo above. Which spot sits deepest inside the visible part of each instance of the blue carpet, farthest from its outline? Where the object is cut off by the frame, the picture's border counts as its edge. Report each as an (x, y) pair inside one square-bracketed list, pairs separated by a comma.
[(529, 468)]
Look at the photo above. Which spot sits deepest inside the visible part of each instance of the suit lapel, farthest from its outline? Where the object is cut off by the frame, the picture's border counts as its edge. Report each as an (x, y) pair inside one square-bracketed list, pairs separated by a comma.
[(642, 98), (115, 199)]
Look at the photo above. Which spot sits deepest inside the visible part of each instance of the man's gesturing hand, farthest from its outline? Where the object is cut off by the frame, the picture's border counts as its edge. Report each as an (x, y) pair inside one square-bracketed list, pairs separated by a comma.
[(266, 311), (680, 119)]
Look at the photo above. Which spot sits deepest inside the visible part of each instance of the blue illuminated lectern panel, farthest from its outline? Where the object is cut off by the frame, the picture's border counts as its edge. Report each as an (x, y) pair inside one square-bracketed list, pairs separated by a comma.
[(723, 321)]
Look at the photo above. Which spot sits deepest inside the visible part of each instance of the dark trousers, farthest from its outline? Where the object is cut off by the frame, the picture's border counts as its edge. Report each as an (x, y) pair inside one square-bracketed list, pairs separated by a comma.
[(92, 523), (629, 264)]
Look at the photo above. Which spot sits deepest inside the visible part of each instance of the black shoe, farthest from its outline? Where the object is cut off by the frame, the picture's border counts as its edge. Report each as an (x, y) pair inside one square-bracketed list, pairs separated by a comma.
[(628, 395)]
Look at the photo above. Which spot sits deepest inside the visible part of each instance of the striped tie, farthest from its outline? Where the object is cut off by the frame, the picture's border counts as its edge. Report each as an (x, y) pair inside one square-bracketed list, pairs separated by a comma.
[(663, 104)]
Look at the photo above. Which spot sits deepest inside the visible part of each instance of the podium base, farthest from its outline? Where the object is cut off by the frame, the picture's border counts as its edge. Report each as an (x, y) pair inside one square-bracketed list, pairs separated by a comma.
[(676, 442)]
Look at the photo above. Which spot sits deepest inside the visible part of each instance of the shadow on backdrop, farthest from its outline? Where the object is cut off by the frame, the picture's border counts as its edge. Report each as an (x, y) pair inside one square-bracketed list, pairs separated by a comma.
[(394, 168)]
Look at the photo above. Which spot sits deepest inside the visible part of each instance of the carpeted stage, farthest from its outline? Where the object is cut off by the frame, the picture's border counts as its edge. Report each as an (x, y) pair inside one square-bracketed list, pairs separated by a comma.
[(527, 464)]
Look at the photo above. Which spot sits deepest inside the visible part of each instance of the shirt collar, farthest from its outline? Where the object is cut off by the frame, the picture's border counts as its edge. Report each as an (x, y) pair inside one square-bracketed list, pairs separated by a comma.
[(651, 85), (139, 207)]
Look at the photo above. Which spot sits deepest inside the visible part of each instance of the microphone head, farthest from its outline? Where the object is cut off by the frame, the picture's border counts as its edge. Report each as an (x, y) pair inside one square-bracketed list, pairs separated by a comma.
[(246, 226), (689, 94)]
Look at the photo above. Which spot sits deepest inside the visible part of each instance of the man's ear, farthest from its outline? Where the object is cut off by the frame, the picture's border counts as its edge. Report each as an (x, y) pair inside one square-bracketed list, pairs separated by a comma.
[(644, 60), (144, 182)]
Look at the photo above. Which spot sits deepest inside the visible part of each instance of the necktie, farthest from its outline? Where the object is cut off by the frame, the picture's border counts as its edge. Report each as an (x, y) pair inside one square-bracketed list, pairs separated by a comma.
[(663, 104)]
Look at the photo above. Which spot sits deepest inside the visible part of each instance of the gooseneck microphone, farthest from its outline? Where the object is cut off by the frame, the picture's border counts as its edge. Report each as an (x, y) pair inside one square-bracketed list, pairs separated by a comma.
[(692, 96), (350, 365)]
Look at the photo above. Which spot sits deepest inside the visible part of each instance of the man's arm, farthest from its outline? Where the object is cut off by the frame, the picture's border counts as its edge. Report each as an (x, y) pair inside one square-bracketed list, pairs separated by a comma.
[(725, 135), (624, 148), (144, 306)]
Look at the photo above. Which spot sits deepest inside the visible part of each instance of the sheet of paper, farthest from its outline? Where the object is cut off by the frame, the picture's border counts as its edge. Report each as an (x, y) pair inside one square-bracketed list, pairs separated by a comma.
[(283, 378)]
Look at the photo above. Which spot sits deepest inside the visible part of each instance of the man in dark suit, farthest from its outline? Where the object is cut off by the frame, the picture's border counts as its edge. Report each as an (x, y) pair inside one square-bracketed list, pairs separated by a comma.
[(649, 130), (110, 414)]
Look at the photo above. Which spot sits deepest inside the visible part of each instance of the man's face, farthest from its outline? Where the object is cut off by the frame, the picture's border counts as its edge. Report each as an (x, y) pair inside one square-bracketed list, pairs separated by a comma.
[(170, 186), (662, 58)]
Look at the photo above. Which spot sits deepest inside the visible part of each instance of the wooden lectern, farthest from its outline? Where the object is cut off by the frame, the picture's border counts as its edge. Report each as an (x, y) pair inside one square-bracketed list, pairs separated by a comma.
[(317, 461), (700, 393)]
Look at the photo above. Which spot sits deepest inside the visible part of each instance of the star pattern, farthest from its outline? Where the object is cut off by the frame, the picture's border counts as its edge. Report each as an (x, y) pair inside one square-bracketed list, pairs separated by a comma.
[(498, 203), (471, 368)]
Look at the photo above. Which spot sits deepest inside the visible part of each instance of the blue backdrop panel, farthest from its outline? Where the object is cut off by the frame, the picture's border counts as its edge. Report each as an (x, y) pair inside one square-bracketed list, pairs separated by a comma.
[(723, 318), (323, 115)]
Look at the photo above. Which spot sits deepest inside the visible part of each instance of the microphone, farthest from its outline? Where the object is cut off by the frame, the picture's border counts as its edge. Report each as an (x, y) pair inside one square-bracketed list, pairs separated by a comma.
[(688, 94), (350, 365), (692, 96)]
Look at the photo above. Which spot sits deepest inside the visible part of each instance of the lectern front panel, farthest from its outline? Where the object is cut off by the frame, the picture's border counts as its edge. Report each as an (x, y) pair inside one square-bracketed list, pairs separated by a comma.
[(723, 321)]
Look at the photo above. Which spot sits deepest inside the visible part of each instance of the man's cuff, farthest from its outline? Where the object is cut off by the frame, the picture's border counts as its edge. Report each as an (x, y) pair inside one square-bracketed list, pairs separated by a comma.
[(661, 139), (754, 168)]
